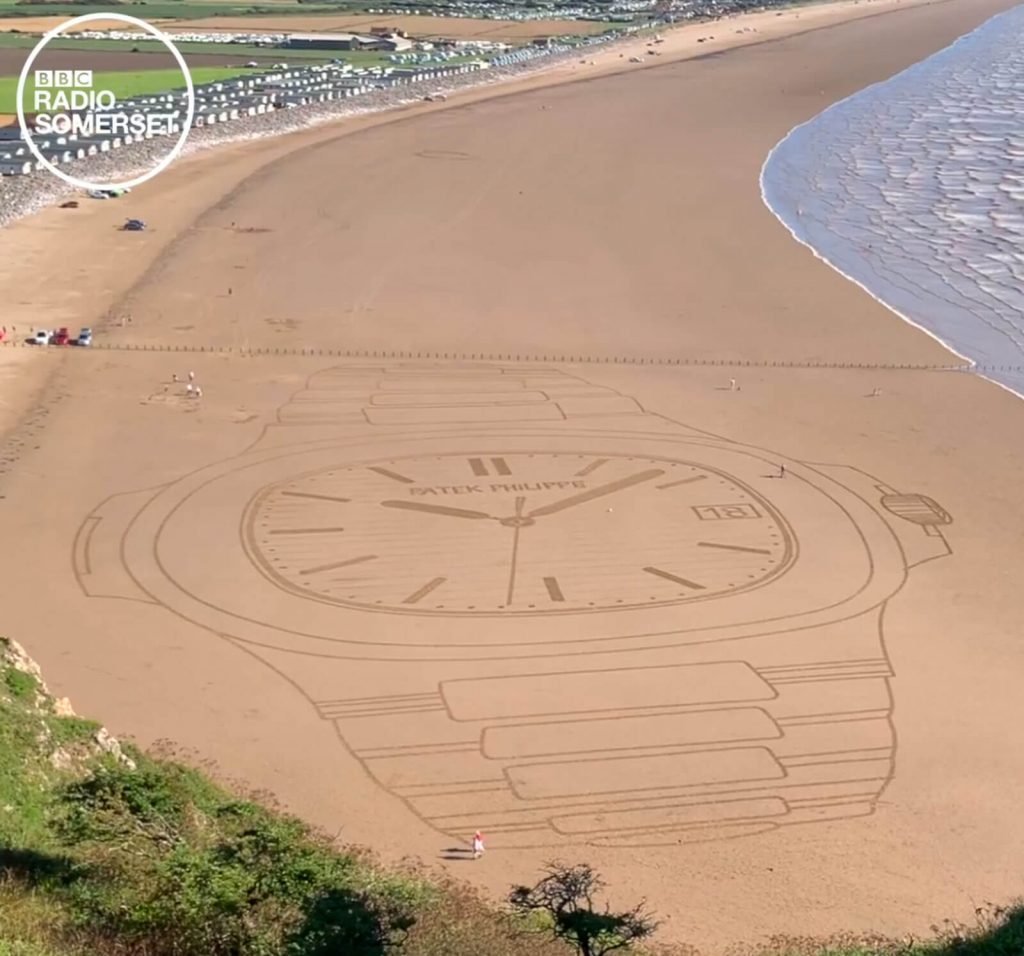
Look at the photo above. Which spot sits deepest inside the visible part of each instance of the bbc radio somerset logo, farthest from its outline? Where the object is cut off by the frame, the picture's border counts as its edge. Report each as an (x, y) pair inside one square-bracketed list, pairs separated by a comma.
[(72, 105), (65, 101)]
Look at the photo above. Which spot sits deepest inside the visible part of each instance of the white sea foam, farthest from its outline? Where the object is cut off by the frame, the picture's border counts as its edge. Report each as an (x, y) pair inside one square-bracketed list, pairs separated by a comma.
[(914, 189)]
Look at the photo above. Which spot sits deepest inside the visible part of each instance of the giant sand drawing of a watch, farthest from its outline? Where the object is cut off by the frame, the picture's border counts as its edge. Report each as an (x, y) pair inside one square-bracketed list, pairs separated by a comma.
[(530, 605)]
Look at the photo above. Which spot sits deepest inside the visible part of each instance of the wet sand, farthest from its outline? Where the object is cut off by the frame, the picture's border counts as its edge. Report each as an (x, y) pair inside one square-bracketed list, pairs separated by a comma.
[(596, 224)]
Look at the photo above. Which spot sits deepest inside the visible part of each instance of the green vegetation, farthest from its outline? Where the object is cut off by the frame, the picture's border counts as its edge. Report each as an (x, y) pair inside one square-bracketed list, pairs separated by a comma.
[(111, 853), (123, 84), (20, 685), (105, 854), (71, 729), (997, 931), (185, 9), (233, 54), (564, 901), (22, 41)]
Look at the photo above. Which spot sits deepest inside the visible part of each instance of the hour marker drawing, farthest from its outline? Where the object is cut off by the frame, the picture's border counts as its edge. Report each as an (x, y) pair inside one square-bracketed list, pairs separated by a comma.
[(682, 481), (479, 467), (592, 467), (657, 572), (310, 494), (554, 591), (422, 592), (306, 530), (393, 475), (339, 564), (733, 547)]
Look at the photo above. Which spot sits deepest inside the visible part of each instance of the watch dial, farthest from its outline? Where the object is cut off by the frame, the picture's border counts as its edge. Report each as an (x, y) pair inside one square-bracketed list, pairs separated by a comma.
[(516, 533)]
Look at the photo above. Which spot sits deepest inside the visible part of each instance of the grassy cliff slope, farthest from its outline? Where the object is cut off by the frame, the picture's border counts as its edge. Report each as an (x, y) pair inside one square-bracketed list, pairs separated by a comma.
[(107, 851)]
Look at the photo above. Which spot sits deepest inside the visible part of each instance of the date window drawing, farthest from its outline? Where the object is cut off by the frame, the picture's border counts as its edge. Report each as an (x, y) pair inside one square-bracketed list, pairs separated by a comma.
[(725, 512)]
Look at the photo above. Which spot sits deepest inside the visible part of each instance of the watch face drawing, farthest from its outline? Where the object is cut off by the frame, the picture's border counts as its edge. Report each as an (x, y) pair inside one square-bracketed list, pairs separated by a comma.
[(528, 604), (511, 533)]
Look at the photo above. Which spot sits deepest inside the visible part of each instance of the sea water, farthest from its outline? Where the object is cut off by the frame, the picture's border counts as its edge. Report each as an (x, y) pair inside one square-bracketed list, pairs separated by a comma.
[(914, 189)]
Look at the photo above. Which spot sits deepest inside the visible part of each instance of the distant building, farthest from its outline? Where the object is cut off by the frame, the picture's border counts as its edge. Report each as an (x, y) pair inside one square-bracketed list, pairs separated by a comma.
[(392, 43), (327, 41), (387, 32), (347, 41)]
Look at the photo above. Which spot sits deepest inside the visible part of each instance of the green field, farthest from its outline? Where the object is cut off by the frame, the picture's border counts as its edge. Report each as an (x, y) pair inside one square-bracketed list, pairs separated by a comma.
[(233, 55), (21, 41), (230, 51), (124, 84), (187, 9)]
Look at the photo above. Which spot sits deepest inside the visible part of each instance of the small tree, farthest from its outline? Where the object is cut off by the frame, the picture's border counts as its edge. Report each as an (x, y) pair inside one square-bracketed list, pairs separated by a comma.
[(566, 897)]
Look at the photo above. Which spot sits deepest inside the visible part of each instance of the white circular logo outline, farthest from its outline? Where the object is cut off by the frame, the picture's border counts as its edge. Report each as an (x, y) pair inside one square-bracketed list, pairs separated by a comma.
[(189, 114)]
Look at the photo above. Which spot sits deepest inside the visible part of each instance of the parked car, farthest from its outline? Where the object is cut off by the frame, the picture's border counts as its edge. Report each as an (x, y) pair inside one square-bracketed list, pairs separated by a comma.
[(61, 337), (39, 337), (84, 338), (133, 225)]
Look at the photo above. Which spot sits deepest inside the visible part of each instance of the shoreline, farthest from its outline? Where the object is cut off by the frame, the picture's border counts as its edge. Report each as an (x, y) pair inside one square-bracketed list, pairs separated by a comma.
[(972, 364), (317, 115)]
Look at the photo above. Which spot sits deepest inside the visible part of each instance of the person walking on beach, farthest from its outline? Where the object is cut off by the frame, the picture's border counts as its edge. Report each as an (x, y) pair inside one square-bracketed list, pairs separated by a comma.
[(191, 376), (478, 845)]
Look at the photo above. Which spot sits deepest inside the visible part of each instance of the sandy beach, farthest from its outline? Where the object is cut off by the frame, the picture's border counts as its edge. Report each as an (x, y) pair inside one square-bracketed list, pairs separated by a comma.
[(807, 729)]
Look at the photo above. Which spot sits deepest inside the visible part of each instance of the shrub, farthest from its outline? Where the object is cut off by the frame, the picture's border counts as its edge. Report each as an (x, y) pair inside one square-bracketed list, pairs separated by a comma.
[(70, 730), (21, 686)]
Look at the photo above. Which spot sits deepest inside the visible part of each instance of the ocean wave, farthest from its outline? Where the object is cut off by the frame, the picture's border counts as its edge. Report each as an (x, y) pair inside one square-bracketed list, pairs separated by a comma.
[(914, 189)]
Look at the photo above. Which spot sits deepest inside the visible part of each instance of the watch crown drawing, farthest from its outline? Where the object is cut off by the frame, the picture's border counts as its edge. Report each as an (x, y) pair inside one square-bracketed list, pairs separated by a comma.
[(531, 605)]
